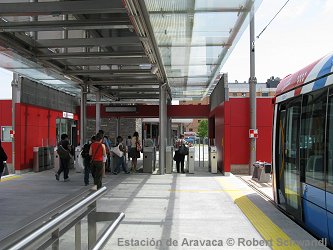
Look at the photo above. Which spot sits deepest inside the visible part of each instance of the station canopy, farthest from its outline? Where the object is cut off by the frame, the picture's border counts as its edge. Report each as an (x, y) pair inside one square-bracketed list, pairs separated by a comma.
[(123, 49)]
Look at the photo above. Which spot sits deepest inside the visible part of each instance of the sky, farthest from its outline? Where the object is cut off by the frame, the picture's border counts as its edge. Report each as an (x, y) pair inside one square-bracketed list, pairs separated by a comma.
[(298, 36)]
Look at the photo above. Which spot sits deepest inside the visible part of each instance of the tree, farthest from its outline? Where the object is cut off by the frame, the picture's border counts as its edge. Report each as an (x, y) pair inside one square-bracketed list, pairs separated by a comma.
[(203, 129)]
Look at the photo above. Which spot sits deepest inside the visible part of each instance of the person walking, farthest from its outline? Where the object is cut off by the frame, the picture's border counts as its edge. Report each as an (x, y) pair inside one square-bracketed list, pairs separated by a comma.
[(120, 152), (3, 157), (135, 150), (181, 147), (105, 141), (87, 159), (97, 151), (64, 152)]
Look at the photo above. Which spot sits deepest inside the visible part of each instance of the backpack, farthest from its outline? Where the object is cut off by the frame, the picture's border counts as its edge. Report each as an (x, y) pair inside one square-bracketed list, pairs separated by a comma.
[(63, 153), (183, 150), (85, 151), (3, 155)]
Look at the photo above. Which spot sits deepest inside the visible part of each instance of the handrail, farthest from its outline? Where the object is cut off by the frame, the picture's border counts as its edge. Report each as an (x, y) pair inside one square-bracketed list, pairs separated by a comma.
[(24, 243), (108, 232)]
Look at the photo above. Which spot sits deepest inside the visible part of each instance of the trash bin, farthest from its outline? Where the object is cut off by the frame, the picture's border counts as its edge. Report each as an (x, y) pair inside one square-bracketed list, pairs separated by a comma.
[(43, 158), (213, 159), (148, 159), (262, 171), (190, 160), (56, 159), (169, 160)]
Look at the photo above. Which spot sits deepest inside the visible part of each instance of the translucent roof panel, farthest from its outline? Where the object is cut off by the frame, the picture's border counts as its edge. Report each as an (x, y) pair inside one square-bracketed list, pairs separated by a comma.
[(195, 37)]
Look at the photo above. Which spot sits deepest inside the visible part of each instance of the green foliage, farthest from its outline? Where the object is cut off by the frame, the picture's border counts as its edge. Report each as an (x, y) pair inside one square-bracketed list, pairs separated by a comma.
[(203, 129)]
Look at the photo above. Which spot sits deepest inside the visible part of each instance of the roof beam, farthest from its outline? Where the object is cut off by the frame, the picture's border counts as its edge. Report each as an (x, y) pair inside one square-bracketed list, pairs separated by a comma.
[(82, 55), (87, 42), (61, 8), (134, 90), (129, 72), (65, 25), (103, 61), (124, 81), (136, 96), (206, 10)]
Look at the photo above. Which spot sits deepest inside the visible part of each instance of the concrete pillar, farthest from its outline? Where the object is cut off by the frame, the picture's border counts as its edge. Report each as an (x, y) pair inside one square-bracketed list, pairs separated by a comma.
[(98, 111), (163, 128), (16, 98), (252, 83), (83, 114)]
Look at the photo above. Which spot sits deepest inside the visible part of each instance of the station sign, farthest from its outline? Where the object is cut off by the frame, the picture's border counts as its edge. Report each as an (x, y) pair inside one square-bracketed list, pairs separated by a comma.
[(68, 115), (253, 133)]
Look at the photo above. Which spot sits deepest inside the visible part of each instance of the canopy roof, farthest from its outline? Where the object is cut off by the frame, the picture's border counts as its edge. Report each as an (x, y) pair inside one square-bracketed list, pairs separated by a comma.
[(122, 49)]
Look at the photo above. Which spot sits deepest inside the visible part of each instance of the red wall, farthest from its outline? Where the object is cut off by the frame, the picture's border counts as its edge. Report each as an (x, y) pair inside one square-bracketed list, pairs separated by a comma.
[(6, 120), (34, 127), (232, 120), (152, 111)]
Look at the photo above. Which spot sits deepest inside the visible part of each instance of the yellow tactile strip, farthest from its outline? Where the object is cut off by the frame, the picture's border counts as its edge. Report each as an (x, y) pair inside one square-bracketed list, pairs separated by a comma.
[(9, 178), (264, 225)]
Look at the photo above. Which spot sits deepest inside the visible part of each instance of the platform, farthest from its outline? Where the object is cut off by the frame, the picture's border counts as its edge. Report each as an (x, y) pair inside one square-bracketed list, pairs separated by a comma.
[(172, 211)]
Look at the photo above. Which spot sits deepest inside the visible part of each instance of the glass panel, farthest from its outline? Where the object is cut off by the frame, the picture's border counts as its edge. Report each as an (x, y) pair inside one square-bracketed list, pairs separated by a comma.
[(5, 134), (196, 37), (329, 186), (312, 138), (291, 171)]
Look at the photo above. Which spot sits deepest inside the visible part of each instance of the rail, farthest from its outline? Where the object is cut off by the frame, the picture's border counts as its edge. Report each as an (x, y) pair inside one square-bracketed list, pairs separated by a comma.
[(49, 233)]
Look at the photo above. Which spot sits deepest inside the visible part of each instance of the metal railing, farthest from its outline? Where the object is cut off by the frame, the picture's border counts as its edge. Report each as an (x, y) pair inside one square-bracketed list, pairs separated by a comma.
[(49, 233)]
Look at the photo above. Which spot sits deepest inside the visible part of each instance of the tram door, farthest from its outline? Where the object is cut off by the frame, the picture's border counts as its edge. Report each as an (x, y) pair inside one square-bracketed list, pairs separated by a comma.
[(288, 172)]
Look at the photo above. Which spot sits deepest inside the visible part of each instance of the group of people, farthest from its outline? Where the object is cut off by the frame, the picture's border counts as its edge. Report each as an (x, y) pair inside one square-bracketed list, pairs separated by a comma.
[(96, 156)]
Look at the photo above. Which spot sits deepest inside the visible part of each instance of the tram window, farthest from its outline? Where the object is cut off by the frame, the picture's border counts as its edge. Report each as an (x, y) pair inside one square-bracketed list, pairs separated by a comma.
[(329, 155), (312, 138)]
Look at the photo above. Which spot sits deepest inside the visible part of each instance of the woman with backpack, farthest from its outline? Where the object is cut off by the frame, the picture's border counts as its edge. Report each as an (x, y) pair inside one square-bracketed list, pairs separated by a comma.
[(181, 149)]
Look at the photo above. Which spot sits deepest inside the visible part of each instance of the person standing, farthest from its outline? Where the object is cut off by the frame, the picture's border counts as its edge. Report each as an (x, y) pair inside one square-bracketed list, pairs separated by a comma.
[(135, 150), (179, 154), (97, 151), (64, 152), (120, 157), (86, 160), (3, 157)]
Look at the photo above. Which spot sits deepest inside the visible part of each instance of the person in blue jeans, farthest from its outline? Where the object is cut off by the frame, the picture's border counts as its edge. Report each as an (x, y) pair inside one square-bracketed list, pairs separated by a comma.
[(87, 159), (120, 159)]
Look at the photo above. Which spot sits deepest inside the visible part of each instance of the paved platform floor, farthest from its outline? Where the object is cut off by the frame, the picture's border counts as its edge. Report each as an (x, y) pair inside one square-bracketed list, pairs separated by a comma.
[(173, 211)]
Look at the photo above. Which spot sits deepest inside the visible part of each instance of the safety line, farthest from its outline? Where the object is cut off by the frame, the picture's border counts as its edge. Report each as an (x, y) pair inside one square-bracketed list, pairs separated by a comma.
[(9, 178), (263, 224)]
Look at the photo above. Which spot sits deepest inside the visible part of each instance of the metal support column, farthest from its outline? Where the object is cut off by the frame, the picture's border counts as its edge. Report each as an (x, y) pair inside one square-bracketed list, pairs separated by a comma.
[(98, 111), (16, 96), (83, 113), (65, 33), (34, 34), (163, 128), (169, 131), (252, 83)]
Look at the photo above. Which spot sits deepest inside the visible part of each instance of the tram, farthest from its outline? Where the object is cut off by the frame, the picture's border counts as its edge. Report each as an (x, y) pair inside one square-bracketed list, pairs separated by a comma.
[(303, 147)]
